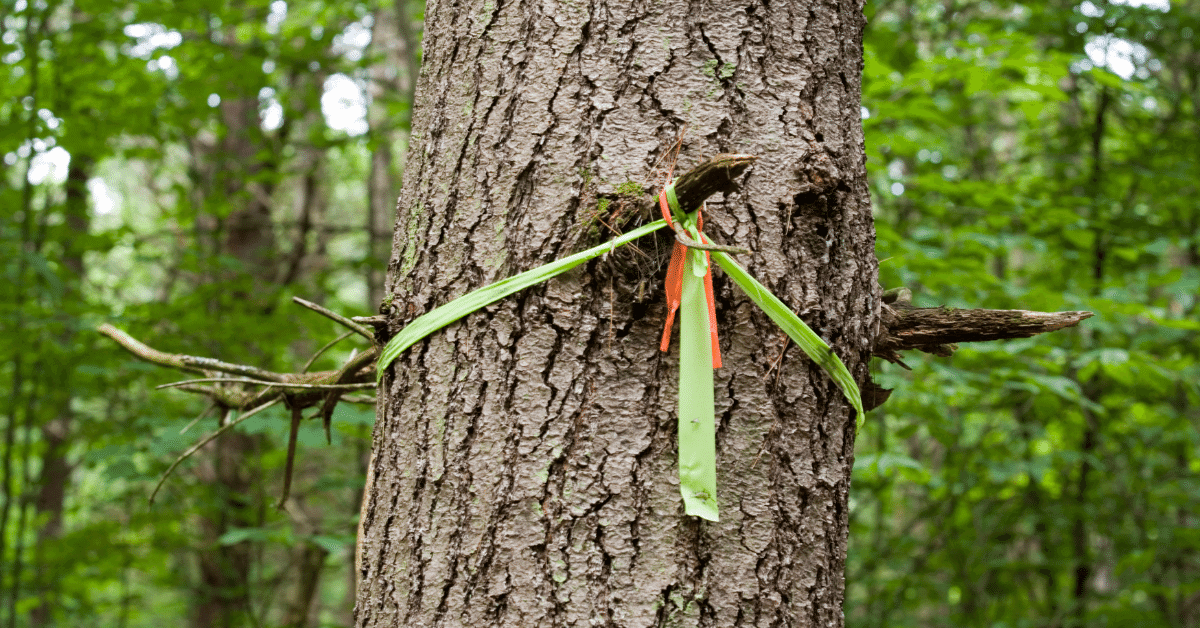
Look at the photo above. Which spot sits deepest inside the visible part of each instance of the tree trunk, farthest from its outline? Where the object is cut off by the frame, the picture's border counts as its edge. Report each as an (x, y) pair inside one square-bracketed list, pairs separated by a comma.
[(524, 458), (231, 169), (393, 81), (56, 434)]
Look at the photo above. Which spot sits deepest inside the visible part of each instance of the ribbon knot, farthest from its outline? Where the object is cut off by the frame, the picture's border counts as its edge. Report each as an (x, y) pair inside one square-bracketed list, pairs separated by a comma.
[(675, 280)]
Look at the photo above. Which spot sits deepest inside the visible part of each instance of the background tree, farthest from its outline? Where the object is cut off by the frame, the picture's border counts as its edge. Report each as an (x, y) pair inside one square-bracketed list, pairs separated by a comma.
[(1039, 157), (204, 187)]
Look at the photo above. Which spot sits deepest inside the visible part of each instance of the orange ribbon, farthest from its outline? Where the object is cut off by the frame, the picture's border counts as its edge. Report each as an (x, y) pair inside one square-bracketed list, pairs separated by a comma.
[(675, 283)]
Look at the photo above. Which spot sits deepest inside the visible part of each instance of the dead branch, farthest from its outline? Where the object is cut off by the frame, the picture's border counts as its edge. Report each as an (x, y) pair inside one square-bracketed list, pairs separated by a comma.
[(259, 389), (302, 389), (184, 362), (338, 318), (286, 387), (204, 441), (322, 350), (718, 174), (936, 329)]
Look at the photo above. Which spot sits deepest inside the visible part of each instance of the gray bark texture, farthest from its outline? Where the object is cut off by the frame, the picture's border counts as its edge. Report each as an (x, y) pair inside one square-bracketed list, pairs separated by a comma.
[(523, 464)]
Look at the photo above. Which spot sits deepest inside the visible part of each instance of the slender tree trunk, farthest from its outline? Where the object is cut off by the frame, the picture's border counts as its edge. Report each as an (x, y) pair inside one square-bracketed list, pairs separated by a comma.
[(20, 291), (18, 565), (1091, 429), (393, 81), (56, 433), (310, 562), (222, 596), (232, 169), (524, 458)]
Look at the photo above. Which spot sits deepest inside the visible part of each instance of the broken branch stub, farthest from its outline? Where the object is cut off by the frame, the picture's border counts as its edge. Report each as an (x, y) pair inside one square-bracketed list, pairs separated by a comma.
[(938, 330), (929, 329)]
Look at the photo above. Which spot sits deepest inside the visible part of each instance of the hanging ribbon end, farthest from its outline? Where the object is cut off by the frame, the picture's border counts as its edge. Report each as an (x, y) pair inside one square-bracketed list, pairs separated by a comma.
[(700, 504)]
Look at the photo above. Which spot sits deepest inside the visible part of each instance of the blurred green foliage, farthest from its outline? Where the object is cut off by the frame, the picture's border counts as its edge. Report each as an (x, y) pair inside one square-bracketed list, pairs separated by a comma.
[(212, 175), (1016, 163), (1034, 156)]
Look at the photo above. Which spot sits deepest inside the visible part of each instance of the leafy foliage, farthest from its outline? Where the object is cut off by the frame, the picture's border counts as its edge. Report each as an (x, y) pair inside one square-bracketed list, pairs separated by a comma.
[(1039, 156), (1048, 481), (205, 187)]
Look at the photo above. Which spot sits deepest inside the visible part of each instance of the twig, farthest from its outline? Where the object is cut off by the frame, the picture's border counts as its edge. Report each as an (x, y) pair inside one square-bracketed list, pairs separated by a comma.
[(324, 349), (356, 363), (196, 420), (683, 238), (611, 229), (713, 176), (349, 324), (297, 414), (937, 329), (208, 391), (374, 321), (673, 153), (352, 366), (239, 380), (206, 440), (779, 359), (184, 362)]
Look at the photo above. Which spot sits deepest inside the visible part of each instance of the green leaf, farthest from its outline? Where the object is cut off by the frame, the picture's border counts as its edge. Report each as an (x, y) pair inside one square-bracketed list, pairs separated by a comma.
[(255, 535), (331, 544), (885, 464), (804, 337), (441, 316), (697, 433)]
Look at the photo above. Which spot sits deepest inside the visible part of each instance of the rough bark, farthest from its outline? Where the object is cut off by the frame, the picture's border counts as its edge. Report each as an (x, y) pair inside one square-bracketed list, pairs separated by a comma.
[(936, 329), (524, 458), (918, 327)]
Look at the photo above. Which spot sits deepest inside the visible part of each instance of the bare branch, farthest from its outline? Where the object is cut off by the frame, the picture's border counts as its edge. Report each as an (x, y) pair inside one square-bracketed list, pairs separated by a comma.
[(303, 389), (204, 441), (685, 240), (212, 405), (322, 350), (281, 385), (354, 365), (334, 316), (718, 174), (936, 330), (378, 321), (297, 415), (184, 362)]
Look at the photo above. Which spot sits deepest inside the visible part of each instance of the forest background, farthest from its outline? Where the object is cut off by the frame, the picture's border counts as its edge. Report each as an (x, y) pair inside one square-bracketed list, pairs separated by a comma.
[(183, 169)]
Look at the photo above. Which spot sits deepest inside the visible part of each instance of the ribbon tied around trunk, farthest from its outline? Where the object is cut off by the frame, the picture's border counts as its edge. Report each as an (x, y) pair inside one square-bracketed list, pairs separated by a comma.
[(690, 293), (670, 205)]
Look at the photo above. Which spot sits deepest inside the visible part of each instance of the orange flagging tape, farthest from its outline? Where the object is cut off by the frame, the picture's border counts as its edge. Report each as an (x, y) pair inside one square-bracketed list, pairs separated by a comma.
[(675, 284)]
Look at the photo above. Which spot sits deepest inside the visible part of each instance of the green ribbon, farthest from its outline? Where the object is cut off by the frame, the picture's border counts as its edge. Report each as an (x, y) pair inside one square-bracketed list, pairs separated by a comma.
[(697, 429), (697, 411)]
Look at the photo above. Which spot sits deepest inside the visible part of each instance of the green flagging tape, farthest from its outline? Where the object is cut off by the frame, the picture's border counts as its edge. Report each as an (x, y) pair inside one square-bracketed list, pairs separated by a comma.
[(697, 432), (443, 315), (697, 414), (688, 222), (804, 337)]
